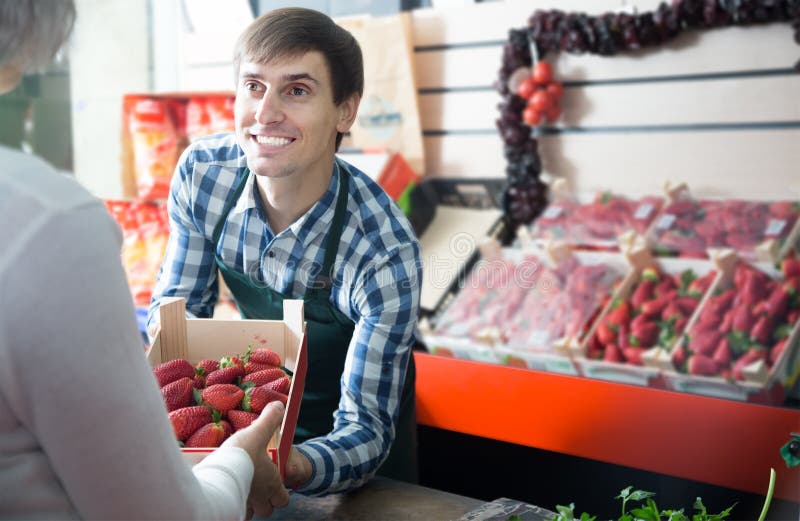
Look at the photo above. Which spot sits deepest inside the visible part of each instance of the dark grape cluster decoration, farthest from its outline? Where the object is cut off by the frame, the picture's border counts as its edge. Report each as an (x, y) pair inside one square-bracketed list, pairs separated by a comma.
[(552, 31)]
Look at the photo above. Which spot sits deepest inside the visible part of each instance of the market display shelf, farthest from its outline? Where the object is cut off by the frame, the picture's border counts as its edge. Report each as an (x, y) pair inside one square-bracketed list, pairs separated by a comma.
[(720, 442)]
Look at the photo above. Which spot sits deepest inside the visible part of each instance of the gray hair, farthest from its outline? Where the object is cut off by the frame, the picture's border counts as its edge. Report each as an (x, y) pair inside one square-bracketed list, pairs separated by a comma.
[(33, 31)]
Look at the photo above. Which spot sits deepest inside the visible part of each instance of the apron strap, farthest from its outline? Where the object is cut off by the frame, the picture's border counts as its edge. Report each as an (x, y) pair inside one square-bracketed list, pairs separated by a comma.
[(324, 280), (227, 208)]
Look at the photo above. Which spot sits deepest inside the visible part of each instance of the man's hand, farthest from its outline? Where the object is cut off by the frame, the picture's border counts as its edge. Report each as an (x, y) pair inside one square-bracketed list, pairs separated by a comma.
[(266, 491), (298, 469)]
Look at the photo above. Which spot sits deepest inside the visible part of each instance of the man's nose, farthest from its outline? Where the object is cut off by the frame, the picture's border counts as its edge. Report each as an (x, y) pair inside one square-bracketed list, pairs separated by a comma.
[(269, 108)]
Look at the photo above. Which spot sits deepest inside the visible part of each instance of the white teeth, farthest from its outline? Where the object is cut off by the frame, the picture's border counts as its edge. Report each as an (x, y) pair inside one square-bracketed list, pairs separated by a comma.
[(273, 141)]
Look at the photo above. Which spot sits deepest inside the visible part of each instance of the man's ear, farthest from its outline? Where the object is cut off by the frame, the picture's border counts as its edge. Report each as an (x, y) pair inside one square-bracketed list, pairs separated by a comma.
[(348, 110)]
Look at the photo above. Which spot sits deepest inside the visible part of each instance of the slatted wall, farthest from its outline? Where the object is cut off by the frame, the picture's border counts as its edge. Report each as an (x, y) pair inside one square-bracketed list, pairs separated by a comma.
[(718, 109)]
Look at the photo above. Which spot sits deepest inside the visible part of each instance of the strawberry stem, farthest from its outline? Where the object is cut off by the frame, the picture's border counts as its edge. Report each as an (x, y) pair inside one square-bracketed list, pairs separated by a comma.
[(770, 490)]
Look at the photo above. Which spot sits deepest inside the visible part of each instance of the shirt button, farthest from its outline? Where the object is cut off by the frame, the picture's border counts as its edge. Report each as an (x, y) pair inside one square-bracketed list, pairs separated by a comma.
[(271, 254)]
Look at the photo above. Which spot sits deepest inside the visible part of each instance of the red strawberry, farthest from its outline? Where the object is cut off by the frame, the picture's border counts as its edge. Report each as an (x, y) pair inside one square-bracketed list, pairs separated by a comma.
[(206, 367), (687, 305), (778, 302), (790, 267), (264, 377), (620, 315), (705, 342), (782, 209), (172, 371), (281, 385), (223, 397), (633, 355), (702, 365), (740, 274), (792, 285), (227, 375), (673, 310), (265, 356), (665, 287), (623, 336), (709, 319), (680, 324), (742, 319), (231, 361), (638, 321), (678, 358), (227, 428), (252, 367), (178, 394), (595, 350), (256, 398), (653, 308), (746, 359), (241, 419), (699, 286), (725, 299), (613, 354), (754, 289), (727, 323), (605, 334), (642, 293), (776, 351), (199, 381), (645, 334), (209, 435), (186, 420), (761, 331), (722, 354)]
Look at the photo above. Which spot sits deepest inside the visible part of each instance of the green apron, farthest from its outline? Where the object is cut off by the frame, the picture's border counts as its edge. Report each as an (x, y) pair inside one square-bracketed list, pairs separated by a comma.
[(329, 332)]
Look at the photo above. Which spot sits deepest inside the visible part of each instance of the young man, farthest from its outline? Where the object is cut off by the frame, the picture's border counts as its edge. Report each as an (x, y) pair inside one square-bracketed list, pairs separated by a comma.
[(280, 217)]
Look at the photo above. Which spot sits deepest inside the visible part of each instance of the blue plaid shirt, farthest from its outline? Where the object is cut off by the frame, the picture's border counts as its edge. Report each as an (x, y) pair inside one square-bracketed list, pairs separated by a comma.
[(377, 284)]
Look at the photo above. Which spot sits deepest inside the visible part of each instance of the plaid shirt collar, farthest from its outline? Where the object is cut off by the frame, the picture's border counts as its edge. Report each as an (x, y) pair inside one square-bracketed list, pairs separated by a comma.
[(320, 213)]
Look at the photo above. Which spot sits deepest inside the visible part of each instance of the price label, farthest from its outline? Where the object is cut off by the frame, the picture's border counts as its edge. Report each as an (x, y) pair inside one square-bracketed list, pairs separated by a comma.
[(775, 227), (552, 212), (665, 221), (643, 211)]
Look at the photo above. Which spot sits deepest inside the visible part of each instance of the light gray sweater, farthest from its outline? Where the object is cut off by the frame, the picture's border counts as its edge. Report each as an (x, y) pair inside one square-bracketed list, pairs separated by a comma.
[(83, 429)]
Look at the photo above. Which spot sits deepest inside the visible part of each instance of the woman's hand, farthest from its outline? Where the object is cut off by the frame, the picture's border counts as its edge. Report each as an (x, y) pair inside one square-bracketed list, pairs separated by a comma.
[(266, 492)]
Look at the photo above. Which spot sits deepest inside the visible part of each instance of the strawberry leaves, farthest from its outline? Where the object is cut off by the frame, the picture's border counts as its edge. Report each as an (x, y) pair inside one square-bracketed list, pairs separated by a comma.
[(647, 510)]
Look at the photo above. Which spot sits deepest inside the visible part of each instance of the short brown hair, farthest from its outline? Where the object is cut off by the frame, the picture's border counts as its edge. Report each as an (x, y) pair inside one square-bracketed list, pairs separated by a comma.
[(294, 31)]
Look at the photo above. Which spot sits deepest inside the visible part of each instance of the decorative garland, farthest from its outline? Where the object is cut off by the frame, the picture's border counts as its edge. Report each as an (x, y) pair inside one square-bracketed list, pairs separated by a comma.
[(524, 106)]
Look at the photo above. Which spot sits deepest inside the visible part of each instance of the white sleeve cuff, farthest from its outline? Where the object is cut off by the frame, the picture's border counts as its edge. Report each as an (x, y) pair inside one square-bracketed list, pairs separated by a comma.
[(226, 475)]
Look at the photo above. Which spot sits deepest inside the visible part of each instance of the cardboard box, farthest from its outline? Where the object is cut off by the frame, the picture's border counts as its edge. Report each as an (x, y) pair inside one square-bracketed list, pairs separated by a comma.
[(506, 337), (761, 384), (656, 358), (690, 226), (590, 221), (196, 339)]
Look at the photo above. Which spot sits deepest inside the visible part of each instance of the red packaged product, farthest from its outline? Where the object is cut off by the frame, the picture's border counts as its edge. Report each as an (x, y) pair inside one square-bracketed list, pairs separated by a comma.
[(198, 123), (220, 114), (155, 147)]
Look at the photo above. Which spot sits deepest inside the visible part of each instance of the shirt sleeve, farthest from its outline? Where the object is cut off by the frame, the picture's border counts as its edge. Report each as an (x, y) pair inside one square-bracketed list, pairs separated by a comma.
[(188, 269), (387, 298), (74, 373)]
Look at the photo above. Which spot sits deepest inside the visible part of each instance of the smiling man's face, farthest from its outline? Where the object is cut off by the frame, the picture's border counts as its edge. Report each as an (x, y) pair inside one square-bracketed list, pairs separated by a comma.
[(286, 120)]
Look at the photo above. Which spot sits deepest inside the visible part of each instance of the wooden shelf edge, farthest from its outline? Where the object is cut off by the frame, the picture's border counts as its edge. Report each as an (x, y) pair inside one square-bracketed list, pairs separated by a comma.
[(720, 442)]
